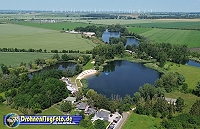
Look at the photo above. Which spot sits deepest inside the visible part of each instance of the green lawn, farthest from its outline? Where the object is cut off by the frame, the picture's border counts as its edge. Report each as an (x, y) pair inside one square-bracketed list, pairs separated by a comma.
[(89, 65), (189, 99), (18, 36), (136, 121), (191, 73), (173, 36), (51, 111)]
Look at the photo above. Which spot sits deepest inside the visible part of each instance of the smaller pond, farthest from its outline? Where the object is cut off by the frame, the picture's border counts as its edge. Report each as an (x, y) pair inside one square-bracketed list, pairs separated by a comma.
[(60, 66), (130, 40), (106, 35), (193, 63)]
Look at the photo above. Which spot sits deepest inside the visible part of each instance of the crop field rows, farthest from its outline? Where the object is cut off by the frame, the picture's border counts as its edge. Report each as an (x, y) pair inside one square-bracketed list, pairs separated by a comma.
[(174, 36), (167, 24)]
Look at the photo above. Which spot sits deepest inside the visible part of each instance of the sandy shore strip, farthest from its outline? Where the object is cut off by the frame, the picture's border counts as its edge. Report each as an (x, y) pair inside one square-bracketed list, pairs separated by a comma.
[(86, 73)]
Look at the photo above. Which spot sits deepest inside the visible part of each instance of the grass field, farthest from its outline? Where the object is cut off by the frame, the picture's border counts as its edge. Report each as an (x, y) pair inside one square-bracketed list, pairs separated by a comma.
[(136, 121), (18, 36), (164, 23), (14, 59), (169, 24), (189, 99), (191, 73), (56, 26), (173, 36)]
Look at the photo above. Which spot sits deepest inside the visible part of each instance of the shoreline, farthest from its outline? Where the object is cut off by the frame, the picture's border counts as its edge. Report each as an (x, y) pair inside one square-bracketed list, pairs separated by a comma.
[(86, 73)]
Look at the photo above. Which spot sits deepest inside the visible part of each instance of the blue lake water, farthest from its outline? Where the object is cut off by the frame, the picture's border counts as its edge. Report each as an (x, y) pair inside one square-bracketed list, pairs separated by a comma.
[(193, 63), (122, 77), (60, 66), (130, 40)]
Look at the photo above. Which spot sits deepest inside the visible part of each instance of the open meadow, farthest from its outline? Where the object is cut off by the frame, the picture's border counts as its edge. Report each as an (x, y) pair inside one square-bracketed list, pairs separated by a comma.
[(136, 121), (18, 36), (14, 59), (189, 99), (191, 73)]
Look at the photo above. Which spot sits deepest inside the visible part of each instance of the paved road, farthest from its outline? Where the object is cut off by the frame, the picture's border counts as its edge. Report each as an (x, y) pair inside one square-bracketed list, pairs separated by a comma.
[(123, 120)]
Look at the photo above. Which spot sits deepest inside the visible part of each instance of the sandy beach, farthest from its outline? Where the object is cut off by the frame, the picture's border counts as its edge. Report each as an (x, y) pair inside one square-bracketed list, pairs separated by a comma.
[(86, 73)]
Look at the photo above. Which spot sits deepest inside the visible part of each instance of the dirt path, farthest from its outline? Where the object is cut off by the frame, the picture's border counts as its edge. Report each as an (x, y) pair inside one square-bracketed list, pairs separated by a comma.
[(123, 120)]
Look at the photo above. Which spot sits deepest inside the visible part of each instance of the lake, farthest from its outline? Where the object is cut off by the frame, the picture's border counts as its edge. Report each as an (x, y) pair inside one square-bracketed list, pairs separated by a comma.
[(122, 77), (193, 63), (60, 66), (106, 35)]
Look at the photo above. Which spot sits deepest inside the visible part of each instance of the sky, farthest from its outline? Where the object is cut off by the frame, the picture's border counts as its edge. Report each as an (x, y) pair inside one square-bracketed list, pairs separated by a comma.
[(99, 5)]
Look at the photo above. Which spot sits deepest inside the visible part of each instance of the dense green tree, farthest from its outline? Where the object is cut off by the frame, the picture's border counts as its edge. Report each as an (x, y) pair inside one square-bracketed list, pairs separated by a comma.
[(82, 113), (197, 89), (56, 56), (1, 99), (147, 91), (78, 69), (184, 87), (65, 57), (162, 105), (66, 106), (136, 97), (195, 109), (155, 112), (4, 69), (162, 58), (68, 72), (99, 124), (24, 77), (179, 104)]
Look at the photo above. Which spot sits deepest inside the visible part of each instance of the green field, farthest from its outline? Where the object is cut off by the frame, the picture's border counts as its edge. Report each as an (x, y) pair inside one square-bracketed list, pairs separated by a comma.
[(148, 23), (191, 73), (14, 59), (169, 24), (18, 36), (189, 99), (56, 26), (173, 36), (136, 121)]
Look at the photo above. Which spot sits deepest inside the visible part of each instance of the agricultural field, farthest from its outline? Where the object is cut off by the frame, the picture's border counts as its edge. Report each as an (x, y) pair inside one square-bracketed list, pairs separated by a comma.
[(136, 121), (148, 23), (173, 36), (56, 26), (169, 24), (116, 21), (18, 36)]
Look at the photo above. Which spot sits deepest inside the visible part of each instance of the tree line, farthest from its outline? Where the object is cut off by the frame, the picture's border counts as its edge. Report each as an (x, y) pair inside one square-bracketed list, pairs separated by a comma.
[(162, 52), (37, 50)]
